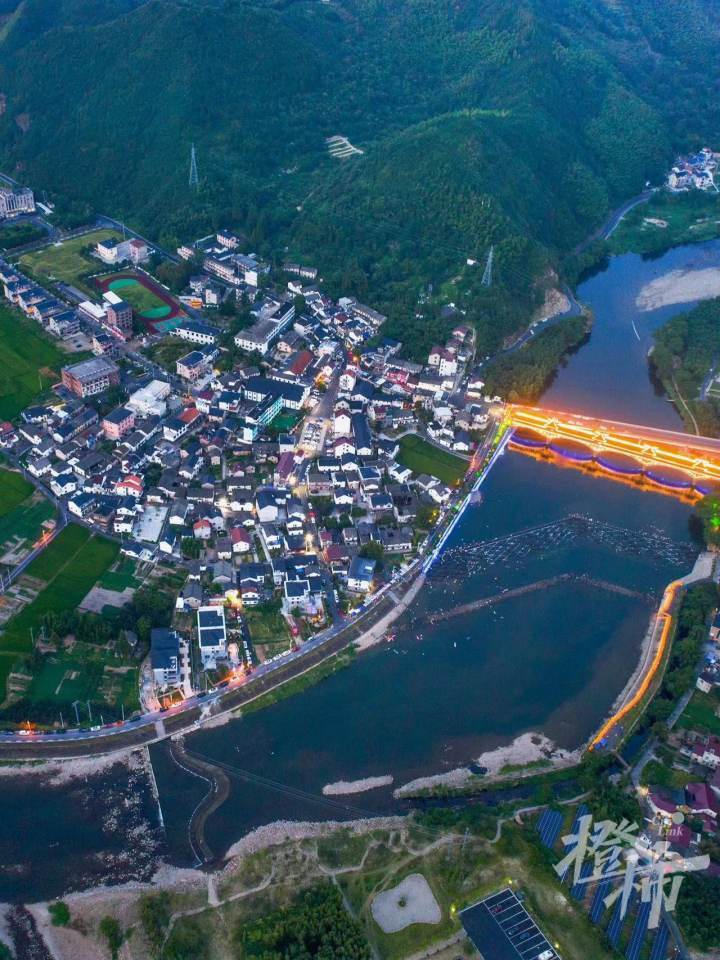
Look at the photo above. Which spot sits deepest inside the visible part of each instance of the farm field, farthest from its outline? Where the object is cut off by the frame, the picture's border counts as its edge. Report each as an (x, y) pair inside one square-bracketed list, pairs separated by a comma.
[(422, 457), (22, 511), (79, 672), (268, 631), (69, 567), (66, 261), (166, 351), (30, 362), (14, 489), (120, 577), (86, 671)]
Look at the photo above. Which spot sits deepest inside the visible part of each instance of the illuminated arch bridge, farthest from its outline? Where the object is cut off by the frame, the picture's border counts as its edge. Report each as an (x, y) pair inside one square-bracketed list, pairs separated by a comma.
[(670, 459)]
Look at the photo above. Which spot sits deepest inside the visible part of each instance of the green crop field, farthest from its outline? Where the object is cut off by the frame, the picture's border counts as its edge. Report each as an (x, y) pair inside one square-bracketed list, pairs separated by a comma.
[(120, 577), (66, 261), (30, 362), (21, 513), (69, 566), (141, 299), (422, 457), (166, 351), (702, 713), (14, 488)]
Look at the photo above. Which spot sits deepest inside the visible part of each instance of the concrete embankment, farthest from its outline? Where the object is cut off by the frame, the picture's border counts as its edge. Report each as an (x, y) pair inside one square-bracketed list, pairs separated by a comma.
[(630, 705), (217, 794)]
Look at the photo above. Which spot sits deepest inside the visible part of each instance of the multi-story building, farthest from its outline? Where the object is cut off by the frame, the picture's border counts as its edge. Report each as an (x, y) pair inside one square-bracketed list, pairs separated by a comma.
[(258, 337), (212, 636), (118, 422), (149, 401), (195, 332), (90, 377), (165, 657), (196, 363), (14, 202), (119, 315)]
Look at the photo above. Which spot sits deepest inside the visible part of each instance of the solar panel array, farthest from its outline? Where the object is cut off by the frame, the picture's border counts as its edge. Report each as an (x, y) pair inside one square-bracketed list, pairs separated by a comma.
[(549, 826), (660, 943), (638, 932)]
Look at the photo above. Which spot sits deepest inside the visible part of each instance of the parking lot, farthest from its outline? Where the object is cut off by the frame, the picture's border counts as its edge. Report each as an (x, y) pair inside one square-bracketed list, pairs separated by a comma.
[(502, 929)]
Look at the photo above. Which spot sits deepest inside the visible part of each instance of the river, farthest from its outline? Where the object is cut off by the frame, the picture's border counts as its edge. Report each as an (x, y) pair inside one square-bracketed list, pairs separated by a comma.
[(550, 662)]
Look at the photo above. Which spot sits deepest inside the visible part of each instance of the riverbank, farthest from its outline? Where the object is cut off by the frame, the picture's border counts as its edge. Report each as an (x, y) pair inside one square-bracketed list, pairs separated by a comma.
[(525, 752), (679, 287)]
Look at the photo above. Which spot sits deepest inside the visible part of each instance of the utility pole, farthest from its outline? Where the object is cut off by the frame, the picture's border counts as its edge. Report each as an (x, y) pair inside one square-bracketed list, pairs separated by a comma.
[(77, 715), (87, 704), (487, 273), (193, 180)]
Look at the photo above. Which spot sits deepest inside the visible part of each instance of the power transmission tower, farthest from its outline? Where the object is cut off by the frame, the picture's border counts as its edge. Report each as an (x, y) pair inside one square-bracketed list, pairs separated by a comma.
[(487, 274), (193, 168)]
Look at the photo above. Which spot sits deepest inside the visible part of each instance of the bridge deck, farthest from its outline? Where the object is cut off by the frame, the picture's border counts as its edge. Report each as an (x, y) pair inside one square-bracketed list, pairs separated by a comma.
[(539, 418)]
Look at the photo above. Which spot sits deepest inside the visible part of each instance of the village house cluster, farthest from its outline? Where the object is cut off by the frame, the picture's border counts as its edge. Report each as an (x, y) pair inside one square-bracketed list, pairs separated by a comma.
[(696, 758), (694, 172), (275, 484)]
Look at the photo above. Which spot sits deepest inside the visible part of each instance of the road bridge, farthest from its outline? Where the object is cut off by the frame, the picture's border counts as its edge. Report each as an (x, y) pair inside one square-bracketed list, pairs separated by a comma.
[(697, 456)]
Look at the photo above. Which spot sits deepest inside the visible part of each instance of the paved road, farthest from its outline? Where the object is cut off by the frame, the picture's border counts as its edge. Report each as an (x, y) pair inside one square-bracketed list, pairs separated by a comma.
[(114, 737), (62, 521), (612, 222)]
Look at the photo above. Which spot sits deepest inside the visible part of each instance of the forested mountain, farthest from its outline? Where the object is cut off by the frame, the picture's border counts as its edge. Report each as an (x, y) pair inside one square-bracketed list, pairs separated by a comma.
[(509, 123)]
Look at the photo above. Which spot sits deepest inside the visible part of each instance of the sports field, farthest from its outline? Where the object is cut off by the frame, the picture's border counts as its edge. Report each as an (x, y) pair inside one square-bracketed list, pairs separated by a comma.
[(148, 300), (65, 261), (422, 457), (30, 362)]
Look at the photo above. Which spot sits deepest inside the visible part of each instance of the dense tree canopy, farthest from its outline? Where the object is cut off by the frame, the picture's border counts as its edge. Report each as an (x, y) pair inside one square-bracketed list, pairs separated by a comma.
[(512, 125), (316, 927)]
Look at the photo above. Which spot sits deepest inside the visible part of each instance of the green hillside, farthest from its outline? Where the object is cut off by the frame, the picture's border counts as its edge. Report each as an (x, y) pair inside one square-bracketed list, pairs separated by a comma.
[(481, 123)]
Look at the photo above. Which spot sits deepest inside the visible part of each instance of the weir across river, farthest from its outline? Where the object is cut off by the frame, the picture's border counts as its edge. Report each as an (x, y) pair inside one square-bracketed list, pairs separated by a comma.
[(544, 538), (546, 584)]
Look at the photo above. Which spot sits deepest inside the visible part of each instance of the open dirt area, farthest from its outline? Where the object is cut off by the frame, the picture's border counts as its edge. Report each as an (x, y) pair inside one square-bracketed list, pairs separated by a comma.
[(679, 286), (99, 597), (411, 901)]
